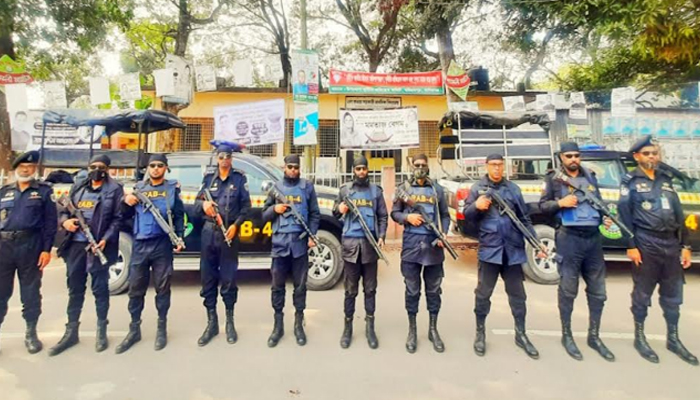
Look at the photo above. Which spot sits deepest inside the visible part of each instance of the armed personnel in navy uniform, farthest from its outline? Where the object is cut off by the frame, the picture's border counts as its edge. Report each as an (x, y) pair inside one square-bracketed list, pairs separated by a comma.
[(219, 261), (578, 241), (418, 253), (98, 198), (290, 245), (660, 248), (359, 256), (501, 251), (27, 231), (152, 248)]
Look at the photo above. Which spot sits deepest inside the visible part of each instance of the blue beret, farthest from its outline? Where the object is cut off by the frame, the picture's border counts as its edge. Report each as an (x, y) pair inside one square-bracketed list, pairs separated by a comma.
[(641, 143), (30, 157), (361, 160), (223, 146), (494, 156), (567, 147)]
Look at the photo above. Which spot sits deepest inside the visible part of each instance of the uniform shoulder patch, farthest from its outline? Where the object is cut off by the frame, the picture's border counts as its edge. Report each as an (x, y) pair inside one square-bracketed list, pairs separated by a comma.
[(624, 190)]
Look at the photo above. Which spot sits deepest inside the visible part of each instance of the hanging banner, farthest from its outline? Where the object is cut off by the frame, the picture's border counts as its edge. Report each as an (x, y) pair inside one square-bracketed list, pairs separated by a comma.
[(251, 124), (55, 95), (27, 128), (206, 78), (457, 80), (12, 71), (165, 82), (379, 129), (18, 94), (99, 91), (545, 102), (305, 123), (130, 87), (623, 102), (424, 83), (514, 103), (577, 109), (183, 80), (305, 75)]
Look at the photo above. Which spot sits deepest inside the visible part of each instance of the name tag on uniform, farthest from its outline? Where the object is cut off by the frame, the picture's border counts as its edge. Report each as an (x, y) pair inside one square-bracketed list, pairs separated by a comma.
[(665, 203), (643, 188)]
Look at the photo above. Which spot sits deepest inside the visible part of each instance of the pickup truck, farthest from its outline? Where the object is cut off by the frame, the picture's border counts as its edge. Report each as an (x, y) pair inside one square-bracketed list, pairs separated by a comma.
[(609, 166), (325, 262)]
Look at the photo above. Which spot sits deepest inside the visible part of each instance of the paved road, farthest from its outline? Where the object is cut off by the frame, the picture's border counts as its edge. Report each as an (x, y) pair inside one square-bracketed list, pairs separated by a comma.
[(322, 370)]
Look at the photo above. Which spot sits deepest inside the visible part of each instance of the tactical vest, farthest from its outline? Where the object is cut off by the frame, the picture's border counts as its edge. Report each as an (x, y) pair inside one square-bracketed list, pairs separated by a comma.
[(583, 214), (87, 202), (163, 197), (364, 201), (297, 195), (426, 197)]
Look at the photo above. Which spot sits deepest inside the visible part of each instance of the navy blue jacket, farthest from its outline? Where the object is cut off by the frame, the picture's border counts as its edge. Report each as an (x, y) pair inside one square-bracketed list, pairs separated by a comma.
[(497, 233), (652, 205), (33, 209), (549, 201), (285, 244), (231, 195), (418, 248), (106, 219)]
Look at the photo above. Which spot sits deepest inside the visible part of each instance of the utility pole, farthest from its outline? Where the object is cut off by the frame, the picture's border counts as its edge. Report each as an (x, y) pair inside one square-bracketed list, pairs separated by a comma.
[(308, 150)]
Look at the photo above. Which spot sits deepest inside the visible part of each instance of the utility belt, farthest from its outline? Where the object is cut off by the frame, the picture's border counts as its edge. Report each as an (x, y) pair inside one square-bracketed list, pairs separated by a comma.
[(663, 235), (580, 232), (17, 235)]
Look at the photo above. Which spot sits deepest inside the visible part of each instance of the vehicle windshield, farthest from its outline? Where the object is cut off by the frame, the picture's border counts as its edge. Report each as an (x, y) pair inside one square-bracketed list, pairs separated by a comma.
[(190, 175), (606, 171), (274, 170)]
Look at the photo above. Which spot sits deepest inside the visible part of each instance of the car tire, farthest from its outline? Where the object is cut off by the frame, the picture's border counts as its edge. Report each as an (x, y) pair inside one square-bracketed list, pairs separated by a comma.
[(325, 264), (119, 272), (538, 270)]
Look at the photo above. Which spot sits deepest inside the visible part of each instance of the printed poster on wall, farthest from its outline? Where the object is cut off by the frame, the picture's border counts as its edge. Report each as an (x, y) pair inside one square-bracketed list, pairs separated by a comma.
[(545, 102), (251, 124), (130, 87), (379, 129), (623, 102), (514, 103), (183, 79), (577, 109), (305, 75), (55, 95), (305, 123), (206, 78)]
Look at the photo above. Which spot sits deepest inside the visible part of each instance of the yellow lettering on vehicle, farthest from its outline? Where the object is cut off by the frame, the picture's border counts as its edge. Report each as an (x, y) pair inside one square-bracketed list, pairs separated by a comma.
[(692, 222), (247, 229), (267, 229)]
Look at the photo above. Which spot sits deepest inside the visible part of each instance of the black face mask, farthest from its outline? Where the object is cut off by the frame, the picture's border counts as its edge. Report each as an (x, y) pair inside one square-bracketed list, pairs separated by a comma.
[(97, 175)]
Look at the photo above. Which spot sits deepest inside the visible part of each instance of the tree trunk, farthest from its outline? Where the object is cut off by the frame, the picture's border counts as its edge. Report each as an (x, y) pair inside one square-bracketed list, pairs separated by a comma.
[(446, 54), (374, 61), (7, 46), (183, 29), (286, 68)]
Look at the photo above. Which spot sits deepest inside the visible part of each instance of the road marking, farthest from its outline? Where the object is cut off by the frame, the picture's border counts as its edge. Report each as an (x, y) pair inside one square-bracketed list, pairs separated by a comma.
[(604, 335)]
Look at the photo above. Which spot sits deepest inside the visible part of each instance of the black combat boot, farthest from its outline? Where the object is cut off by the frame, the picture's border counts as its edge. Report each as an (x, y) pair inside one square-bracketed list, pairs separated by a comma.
[(640, 343), (231, 334), (346, 338), (101, 341), (299, 328), (523, 342), (69, 339), (567, 340), (161, 334), (277, 330), (480, 339), (673, 343), (412, 339), (594, 341), (434, 336), (133, 337), (372, 340), (31, 341), (212, 328)]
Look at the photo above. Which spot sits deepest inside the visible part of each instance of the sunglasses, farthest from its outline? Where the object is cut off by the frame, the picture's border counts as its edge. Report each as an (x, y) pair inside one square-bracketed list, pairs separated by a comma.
[(156, 165), (360, 168), (224, 156), (649, 153), (420, 165), (570, 156), (97, 167), (294, 167)]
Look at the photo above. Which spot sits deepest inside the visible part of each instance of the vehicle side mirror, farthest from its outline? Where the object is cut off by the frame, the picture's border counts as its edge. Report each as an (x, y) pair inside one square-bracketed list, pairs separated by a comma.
[(266, 186)]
